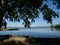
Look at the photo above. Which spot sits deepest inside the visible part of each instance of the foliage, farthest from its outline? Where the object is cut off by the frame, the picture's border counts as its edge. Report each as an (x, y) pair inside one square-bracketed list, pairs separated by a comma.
[(57, 2), (57, 26), (48, 13), (26, 10)]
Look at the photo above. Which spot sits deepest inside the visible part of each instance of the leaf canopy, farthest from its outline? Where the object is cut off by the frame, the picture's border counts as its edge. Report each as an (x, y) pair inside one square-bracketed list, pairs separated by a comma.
[(27, 10)]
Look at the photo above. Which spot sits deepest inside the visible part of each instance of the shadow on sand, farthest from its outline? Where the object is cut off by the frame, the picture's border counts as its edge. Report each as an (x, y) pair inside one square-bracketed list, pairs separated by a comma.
[(26, 40)]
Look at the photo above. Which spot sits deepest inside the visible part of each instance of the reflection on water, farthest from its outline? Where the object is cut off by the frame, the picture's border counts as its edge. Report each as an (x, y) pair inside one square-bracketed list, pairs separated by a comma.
[(44, 32), (58, 29)]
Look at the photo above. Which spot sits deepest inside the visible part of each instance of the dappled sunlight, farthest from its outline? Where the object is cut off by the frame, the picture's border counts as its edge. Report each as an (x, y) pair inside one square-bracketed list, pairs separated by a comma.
[(18, 40), (27, 40)]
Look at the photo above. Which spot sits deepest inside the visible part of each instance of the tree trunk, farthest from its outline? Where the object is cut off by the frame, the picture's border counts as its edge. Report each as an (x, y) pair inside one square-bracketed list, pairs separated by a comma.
[(1, 17)]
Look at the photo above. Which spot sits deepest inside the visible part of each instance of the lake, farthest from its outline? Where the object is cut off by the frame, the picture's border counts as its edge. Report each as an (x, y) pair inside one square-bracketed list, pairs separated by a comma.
[(37, 32)]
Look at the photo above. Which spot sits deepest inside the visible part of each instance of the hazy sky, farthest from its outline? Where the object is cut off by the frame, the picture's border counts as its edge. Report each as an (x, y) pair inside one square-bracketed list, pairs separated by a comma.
[(39, 21)]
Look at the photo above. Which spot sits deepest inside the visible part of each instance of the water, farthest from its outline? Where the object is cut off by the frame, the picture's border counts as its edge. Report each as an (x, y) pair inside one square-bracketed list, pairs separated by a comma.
[(34, 32)]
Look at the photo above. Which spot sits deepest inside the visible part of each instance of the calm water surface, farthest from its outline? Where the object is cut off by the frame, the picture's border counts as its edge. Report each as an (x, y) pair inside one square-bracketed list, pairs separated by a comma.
[(34, 32)]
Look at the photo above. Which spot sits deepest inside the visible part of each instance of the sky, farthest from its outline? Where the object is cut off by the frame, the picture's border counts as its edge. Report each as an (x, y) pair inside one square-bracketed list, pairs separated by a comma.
[(38, 21)]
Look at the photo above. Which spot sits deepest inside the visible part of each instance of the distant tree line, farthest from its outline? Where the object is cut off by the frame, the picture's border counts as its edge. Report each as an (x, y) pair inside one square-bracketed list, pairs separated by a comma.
[(57, 26)]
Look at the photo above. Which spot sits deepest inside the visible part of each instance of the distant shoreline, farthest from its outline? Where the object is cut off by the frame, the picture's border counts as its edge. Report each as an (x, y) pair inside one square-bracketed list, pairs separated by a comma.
[(31, 27)]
